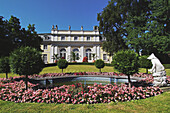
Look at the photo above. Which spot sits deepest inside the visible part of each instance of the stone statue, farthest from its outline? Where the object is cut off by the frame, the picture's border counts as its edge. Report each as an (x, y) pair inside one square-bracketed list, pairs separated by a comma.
[(69, 27), (158, 71), (52, 26), (56, 27), (81, 27)]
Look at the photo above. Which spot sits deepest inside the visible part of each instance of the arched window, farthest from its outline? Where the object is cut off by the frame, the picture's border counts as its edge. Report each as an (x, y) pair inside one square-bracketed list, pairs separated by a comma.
[(76, 51), (88, 54), (63, 53)]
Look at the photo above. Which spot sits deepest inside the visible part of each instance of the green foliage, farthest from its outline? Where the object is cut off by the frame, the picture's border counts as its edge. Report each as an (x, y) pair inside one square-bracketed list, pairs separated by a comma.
[(73, 55), (4, 65), (26, 61), (62, 64), (12, 34), (111, 24), (126, 62), (99, 64), (142, 24), (144, 62)]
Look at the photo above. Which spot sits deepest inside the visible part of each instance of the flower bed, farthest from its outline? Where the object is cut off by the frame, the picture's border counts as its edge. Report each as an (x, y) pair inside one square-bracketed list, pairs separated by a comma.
[(148, 77), (11, 90), (87, 73)]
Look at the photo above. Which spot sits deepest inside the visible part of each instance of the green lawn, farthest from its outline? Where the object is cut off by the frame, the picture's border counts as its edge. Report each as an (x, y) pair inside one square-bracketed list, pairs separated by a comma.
[(78, 68), (160, 103)]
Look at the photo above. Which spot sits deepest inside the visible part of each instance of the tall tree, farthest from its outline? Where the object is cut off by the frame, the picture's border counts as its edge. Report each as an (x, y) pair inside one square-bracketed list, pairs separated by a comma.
[(111, 24), (142, 24), (4, 66), (13, 36), (6, 44), (148, 28)]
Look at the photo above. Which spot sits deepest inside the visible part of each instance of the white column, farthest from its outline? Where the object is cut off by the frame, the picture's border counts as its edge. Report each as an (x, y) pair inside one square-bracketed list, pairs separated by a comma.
[(98, 52), (69, 38), (55, 38), (52, 38), (82, 38), (51, 54), (68, 53), (82, 53), (95, 51), (56, 50)]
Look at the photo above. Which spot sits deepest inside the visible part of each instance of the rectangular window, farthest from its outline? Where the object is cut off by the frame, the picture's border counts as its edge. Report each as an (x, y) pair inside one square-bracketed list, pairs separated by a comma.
[(63, 38), (104, 57), (45, 47), (88, 38), (45, 58), (75, 38)]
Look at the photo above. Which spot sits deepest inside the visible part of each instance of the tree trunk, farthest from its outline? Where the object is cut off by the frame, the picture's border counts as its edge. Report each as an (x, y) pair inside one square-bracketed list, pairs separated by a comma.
[(129, 81), (100, 70), (62, 70), (6, 75), (26, 82), (147, 70)]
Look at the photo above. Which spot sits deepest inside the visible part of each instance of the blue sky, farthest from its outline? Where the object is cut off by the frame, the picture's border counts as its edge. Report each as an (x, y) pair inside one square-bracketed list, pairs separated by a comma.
[(45, 13)]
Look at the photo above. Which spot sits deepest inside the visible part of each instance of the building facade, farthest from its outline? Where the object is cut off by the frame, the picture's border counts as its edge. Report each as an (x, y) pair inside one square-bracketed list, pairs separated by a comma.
[(83, 43)]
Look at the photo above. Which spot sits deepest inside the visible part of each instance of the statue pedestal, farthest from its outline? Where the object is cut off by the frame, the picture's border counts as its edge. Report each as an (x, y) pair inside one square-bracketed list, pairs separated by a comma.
[(159, 78)]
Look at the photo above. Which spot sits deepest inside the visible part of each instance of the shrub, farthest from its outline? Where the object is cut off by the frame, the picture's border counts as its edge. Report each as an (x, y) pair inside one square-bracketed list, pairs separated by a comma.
[(144, 62), (62, 64), (126, 62), (99, 64), (85, 59), (4, 65), (26, 61)]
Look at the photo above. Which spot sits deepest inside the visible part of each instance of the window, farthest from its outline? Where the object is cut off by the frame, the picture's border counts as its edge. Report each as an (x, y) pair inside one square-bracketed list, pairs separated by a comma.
[(76, 51), (63, 38), (75, 38), (104, 57), (46, 37), (88, 54), (63, 53), (45, 58), (88, 38), (45, 47)]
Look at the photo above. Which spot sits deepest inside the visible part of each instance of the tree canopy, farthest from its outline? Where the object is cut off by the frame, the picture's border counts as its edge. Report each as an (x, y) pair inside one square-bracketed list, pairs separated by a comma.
[(26, 61), (126, 62), (99, 64), (12, 36), (142, 25)]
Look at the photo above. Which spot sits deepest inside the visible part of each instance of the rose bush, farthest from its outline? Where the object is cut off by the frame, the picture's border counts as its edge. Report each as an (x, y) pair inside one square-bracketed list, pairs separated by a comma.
[(11, 90)]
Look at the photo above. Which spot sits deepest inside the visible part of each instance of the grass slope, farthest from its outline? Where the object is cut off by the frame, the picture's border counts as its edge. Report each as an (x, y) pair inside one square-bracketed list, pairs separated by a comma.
[(160, 103)]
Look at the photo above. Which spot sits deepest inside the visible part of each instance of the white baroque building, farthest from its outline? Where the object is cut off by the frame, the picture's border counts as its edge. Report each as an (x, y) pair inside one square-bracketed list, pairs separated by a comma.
[(81, 42)]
